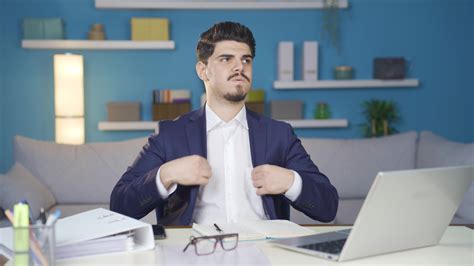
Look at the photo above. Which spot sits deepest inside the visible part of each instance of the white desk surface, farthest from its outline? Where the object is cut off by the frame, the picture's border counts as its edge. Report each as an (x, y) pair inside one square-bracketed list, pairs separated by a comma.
[(455, 248)]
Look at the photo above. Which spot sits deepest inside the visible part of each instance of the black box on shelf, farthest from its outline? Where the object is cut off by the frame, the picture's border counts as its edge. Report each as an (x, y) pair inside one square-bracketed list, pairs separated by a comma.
[(389, 68)]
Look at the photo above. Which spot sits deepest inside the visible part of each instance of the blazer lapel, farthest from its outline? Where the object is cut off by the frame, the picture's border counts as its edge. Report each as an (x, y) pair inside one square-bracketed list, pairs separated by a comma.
[(196, 133), (197, 142), (258, 147)]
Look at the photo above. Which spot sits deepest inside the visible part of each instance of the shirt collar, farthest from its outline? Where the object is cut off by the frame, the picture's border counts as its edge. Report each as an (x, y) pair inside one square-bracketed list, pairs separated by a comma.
[(212, 120)]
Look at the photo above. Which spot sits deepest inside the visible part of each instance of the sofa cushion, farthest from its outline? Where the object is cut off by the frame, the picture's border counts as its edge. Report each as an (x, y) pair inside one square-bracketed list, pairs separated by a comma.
[(348, 211), (352, 165), (77, 173), (301, 218), (436, 151), (19, 184)]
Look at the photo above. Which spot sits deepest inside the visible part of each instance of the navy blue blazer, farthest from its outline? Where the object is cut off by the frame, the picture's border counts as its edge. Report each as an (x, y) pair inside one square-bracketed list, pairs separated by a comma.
[(271, 142)]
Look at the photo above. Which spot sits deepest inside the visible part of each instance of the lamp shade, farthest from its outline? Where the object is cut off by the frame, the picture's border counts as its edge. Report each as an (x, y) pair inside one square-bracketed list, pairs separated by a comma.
[(69, 98), (68, 85), (70, 130)]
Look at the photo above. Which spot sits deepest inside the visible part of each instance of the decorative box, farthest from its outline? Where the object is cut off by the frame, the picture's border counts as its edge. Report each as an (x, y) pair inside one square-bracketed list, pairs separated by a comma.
[(389, 68), (310, 60), (256, 101), (285, 61), (343, 72), (150, 29), (286, 109), (123, 111), (257, 107), (168, 111), (43, 28), (255, 95)]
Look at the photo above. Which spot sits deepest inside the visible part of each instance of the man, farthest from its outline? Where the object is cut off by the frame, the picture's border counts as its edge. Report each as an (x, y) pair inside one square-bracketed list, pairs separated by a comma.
[(223, 163)]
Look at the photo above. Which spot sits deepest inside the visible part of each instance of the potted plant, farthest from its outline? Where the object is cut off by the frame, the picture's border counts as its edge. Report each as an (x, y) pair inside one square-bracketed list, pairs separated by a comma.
[(331, 23), (380, 115)]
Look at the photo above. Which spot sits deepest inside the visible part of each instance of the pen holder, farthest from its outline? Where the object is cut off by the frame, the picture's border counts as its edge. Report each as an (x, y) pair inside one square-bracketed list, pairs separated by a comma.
[(34, 245)]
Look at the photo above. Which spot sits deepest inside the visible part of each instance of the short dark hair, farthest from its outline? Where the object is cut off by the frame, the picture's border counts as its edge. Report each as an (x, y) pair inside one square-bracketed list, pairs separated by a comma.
[(223, 31)]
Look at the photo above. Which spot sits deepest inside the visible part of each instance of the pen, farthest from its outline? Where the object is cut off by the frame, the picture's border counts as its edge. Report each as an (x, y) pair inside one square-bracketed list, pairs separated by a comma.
[(53, 217), (42, 216), (218, 228)]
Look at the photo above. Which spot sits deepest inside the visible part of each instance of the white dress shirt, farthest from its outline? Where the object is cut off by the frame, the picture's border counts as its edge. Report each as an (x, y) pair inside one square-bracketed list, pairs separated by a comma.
[(230, 196)]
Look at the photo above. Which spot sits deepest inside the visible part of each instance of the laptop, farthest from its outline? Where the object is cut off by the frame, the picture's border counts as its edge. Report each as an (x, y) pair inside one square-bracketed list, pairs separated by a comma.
[(403, 210)]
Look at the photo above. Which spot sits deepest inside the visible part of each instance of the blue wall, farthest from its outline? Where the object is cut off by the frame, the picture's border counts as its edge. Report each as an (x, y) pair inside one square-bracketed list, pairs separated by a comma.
[(3, 152), (437, 37)]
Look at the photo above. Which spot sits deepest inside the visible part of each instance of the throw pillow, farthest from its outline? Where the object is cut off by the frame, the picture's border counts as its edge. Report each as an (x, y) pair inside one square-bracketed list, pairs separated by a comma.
[(352, 164), (77, 173), (19, 184), (436, 151)]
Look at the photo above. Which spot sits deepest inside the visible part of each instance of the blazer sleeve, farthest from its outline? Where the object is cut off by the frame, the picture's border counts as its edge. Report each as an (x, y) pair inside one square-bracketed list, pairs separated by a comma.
[(318, 198), (136, 193)]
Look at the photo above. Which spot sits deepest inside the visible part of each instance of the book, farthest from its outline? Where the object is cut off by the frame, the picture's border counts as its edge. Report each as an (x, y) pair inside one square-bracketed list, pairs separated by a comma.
[(93, 232), (285, 61), (256, 230), (310, 60)]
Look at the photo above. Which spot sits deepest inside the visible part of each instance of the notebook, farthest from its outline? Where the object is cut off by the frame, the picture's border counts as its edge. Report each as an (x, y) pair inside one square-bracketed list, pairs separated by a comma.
[(256, 230), (403, 210)]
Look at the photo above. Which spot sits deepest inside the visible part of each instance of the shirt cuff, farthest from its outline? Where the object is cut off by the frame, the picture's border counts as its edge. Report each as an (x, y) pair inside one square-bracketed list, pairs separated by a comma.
[(164, 193), (295, 190)]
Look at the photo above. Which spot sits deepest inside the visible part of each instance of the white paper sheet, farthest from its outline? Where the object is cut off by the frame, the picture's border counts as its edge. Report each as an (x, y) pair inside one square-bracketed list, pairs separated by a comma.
[(244, 254)]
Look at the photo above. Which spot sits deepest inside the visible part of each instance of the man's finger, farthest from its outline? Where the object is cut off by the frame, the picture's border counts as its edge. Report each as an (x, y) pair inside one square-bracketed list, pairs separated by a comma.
[(202, 180), (256, 178), (206, 172), (257, 184), (261, 191)]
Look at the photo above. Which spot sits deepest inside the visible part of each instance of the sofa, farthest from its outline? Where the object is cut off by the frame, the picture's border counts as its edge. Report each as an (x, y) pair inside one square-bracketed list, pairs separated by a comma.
[(78, 178)]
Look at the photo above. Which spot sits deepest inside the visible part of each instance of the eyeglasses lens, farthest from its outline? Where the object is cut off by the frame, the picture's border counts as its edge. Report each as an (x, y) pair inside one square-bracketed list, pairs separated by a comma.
[(205, 246)]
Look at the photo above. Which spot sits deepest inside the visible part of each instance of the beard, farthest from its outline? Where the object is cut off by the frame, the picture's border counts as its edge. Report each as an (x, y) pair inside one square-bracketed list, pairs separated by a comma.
[(240, 94), (236, 97)]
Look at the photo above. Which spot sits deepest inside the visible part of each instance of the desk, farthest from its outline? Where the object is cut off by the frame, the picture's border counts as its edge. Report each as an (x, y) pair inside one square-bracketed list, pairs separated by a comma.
[(455, 248)]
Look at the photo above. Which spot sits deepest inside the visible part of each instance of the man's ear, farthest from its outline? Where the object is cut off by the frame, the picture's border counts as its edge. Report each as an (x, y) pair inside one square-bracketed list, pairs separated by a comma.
[(201, 70)]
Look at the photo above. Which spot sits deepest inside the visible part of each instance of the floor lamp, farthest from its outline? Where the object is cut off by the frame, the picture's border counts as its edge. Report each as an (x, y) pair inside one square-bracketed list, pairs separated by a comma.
[(69, 98)]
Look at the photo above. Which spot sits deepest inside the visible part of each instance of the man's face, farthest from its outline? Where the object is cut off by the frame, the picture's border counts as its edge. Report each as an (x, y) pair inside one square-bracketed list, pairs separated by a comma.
[(228, 73)]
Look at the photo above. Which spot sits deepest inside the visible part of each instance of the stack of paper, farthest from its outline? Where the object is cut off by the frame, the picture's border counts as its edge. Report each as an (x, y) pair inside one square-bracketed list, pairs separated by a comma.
[(117, 243), (256, 230)]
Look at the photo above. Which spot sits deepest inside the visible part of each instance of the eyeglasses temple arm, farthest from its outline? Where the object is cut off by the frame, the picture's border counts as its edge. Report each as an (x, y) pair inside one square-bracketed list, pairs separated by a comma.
[(186, 246)]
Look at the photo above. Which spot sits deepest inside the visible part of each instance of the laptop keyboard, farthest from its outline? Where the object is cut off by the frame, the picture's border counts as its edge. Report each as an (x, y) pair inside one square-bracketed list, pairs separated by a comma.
[(332, 247)]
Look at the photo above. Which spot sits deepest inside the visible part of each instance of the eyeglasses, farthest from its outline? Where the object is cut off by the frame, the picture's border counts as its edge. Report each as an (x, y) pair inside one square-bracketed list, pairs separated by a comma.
[(205, 245)]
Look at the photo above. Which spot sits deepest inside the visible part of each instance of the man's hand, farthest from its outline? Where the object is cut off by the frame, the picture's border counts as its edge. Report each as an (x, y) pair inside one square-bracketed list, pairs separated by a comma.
[(270, 179), (189, 170)]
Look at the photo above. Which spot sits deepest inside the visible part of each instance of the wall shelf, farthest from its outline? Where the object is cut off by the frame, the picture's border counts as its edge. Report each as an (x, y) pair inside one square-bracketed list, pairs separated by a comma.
[(194, 4), (153, 125), (128, 126), (318, 123), (344, 84), (97, 45)]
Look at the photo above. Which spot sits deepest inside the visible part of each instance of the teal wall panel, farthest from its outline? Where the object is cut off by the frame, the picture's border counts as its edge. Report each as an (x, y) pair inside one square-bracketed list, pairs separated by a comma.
[(3, 151), (435, 35)]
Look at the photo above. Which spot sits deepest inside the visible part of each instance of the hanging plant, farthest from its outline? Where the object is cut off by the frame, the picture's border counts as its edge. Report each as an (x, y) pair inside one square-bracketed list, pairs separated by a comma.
[(380, 116), (331, 23)]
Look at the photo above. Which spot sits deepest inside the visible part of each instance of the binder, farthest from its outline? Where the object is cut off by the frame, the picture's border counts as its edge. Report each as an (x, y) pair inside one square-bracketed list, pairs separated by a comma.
[(285, 61), (105, 230)]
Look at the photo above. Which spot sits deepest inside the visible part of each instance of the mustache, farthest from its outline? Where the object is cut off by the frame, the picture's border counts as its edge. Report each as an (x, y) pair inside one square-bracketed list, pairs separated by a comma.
[(238, 74)]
